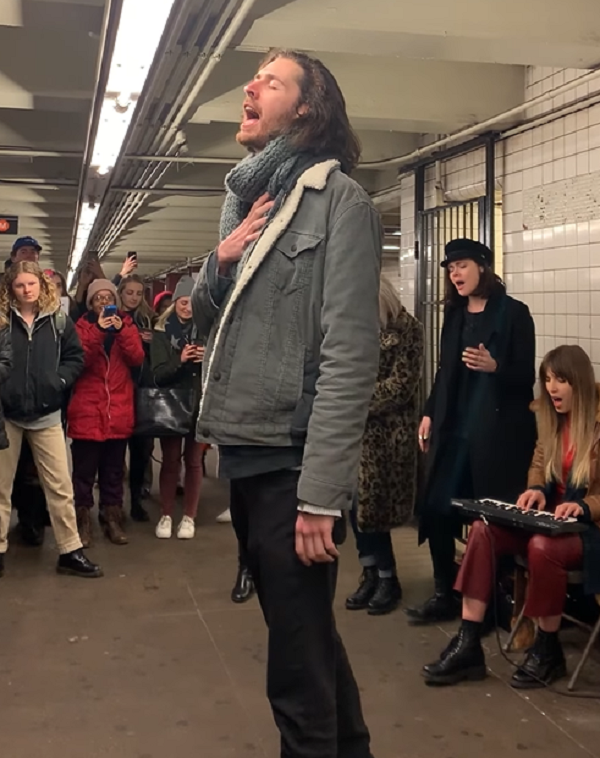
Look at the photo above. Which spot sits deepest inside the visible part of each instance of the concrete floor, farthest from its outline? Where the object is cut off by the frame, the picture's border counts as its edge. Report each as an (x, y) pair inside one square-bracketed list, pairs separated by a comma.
[(154, 660)]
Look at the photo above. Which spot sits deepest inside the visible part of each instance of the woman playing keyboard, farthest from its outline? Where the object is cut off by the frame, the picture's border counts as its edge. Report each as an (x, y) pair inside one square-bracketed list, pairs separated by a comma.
[(564, 478)]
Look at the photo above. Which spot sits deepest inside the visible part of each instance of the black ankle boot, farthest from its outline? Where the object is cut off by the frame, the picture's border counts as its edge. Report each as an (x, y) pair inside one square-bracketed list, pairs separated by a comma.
[(543, 664), (387, 596), (138, 512), (440, 607), (367, 587), (463, 658), (77, 564), (244, 586)]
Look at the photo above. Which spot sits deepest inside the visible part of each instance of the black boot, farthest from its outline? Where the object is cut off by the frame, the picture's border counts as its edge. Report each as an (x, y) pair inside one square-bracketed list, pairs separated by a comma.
[(360, 599), (138, 512), (32, 535), (463, 658), (244, 586), (543, 664), (387, 596), (442, 606), (76, 564)]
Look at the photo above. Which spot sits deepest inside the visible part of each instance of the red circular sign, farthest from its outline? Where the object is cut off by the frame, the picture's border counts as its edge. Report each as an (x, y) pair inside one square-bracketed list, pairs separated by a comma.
[(4, 225)]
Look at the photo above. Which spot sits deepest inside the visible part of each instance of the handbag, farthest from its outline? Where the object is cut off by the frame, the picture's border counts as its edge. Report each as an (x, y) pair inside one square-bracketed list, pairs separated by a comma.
[(164, 412)]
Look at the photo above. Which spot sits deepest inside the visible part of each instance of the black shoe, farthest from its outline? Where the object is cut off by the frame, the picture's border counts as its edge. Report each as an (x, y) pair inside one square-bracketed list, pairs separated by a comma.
[(138, 512), (543, 664), (443, 606), (32, 535), (462, 660), (244, 586), (76, 564), (360, 599), (387, 596)]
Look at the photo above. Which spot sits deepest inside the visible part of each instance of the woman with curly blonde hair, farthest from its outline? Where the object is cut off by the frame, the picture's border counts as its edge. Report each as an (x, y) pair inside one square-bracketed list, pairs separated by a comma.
[(47, 358)]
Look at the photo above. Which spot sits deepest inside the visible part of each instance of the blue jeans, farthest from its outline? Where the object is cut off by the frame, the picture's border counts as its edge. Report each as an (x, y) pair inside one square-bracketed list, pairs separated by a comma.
[(374, 548)]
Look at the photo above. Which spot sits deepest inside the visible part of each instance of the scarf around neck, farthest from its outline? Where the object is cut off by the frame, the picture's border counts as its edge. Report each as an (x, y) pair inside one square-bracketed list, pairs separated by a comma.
[(267, 171), (179, 334)]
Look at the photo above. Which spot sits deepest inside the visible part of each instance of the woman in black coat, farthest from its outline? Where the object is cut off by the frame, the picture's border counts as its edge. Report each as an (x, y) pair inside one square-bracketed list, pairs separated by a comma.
[(477, 428)]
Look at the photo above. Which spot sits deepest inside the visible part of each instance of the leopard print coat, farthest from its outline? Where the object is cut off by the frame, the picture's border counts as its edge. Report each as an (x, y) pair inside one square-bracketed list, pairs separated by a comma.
[(388, 469)]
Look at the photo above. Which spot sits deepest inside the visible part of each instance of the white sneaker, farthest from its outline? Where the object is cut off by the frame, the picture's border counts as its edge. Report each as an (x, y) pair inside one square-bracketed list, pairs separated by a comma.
[(164, 528), (225, 517), (186, 529)]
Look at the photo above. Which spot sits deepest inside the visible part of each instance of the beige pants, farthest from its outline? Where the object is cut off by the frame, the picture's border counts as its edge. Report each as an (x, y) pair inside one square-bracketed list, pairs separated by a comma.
[(49, 450)]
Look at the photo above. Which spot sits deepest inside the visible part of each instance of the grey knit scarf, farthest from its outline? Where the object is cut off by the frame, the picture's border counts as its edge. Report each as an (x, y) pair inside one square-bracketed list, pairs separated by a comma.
[(267, 171)]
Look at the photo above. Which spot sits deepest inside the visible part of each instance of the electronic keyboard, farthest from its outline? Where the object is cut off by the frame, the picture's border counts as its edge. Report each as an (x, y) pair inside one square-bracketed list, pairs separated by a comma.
[(509, 515)]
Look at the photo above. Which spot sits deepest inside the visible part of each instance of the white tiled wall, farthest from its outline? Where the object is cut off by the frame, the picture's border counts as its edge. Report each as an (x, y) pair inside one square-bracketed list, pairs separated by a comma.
[(551, 217)]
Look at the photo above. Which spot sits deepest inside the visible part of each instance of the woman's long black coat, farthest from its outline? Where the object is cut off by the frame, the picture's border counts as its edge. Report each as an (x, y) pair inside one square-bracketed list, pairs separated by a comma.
[(502, 430)]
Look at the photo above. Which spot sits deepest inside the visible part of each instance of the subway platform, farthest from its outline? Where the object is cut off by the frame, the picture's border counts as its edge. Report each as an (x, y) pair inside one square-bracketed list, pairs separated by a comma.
[(154, 660)]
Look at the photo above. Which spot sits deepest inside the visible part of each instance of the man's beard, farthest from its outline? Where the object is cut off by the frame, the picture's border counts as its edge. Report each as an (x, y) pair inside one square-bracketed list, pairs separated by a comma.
[(258, 143)]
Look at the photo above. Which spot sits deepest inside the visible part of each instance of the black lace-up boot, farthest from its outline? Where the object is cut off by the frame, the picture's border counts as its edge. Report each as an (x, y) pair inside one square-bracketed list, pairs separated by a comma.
[(367, 587), (543, 664), (462, 660), (442, 606)]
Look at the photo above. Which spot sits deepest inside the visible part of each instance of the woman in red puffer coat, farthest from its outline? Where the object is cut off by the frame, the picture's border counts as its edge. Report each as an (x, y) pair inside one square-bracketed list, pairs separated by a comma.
[(101, 414)]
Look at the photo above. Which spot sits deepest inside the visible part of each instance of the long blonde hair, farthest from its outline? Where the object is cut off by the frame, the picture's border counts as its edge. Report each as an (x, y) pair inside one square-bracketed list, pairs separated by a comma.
[(390, 306), (143, 316), (569, 363), (48, 301)]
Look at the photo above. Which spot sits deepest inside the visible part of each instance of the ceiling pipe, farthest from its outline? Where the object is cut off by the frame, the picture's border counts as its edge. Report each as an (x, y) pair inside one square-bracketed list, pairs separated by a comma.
[(182, 159), (183, 191), (491, 124), (38, 183), (31, 152), (108, 36), (169, 141)]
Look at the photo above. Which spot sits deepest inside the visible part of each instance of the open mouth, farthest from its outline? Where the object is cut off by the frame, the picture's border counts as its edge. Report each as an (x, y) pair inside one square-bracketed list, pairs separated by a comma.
[(459, 285), (251, 115), (556, 400)]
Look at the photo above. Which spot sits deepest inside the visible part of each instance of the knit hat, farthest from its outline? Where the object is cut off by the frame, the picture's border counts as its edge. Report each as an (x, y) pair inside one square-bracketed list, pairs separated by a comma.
[(97, 286), (184, 288), (160, 297)]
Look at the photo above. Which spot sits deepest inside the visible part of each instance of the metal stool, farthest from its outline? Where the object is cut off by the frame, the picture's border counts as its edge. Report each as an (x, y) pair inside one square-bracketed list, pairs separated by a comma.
[(573, 577)]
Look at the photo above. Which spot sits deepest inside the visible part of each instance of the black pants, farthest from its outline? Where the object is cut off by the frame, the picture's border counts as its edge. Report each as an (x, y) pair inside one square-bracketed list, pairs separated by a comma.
[(27, 495), (140, 452), (105, 459), (441, 523), (374, 548), (310, 685)]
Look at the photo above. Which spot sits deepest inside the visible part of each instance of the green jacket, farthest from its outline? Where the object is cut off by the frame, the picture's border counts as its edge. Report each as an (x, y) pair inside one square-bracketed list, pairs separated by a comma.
[(293, 337), (167, 367)]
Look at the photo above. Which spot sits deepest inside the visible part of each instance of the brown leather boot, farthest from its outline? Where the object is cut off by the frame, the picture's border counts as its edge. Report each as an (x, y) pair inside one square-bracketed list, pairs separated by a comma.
[(84, 526), (113, 525)]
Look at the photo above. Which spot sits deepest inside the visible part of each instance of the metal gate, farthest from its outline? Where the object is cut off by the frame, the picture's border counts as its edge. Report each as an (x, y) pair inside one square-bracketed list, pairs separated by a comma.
[(438, 226)]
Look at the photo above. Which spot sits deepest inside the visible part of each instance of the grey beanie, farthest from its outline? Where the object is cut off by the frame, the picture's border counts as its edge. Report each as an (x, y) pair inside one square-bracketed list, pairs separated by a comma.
[(184, 288)]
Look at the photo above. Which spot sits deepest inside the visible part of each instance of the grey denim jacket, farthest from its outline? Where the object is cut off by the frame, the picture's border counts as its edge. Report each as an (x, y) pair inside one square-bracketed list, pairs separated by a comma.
[(293, 345)]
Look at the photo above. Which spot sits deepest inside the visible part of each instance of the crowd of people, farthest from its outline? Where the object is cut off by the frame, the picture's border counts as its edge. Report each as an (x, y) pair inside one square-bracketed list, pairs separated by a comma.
[(71, 369), (296, 358)]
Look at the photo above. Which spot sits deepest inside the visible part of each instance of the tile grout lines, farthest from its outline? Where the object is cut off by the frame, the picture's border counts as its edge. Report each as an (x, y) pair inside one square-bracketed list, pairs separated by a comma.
[(226, 668)]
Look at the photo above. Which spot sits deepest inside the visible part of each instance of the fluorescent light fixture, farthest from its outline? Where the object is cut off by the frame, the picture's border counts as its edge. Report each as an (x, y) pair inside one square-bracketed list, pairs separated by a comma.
[(137, 41), (391, 247)]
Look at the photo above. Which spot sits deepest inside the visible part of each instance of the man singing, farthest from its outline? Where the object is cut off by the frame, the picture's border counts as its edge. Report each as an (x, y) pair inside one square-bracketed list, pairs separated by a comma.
[(289, 304)]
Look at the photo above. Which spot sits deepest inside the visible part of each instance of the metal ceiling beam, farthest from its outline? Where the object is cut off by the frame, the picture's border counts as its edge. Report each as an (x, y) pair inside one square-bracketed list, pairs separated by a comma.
[(108, 36)]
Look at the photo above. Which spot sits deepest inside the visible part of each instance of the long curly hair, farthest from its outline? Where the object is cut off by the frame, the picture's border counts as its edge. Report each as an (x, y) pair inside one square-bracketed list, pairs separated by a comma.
[(48, 301), (325, 129)]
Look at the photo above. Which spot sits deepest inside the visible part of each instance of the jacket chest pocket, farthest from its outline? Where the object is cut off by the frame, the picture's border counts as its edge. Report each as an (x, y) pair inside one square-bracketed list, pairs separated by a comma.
[(293, 260)]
